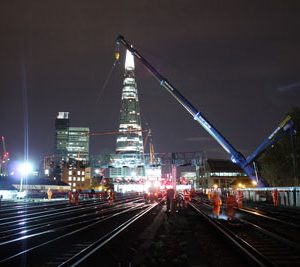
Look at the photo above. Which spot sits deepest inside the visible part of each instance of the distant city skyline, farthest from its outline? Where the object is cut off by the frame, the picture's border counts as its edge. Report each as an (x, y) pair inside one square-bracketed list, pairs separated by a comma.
[(237, 62)]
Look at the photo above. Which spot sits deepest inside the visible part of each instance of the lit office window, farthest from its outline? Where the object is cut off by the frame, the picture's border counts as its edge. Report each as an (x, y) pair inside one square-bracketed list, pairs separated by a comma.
[(70, 178), (82, 179), (70, 172)]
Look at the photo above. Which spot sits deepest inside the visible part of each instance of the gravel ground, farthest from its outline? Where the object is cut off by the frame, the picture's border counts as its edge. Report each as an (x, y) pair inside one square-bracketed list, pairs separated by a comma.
[(184, 239)]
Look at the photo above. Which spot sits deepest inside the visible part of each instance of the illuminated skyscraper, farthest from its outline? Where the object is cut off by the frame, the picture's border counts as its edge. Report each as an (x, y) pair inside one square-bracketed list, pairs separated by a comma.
[(78, 143), (71, 143), (130, 120), (129, 146), (61, 136)]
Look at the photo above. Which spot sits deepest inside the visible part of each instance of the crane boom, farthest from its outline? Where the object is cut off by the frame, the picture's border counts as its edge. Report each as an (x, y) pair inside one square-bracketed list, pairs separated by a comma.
[(118, 132), (236, 156), (3, 145), (4, 159)]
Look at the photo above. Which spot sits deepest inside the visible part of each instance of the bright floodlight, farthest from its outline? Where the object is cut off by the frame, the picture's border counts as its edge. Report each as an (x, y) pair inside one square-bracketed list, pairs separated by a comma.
[(25, 168)]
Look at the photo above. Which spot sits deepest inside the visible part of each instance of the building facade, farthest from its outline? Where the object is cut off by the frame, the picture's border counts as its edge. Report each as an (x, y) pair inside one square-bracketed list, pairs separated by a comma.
[(71, 143), (78, 144), (77, 177), (61, 137), (220, 173)]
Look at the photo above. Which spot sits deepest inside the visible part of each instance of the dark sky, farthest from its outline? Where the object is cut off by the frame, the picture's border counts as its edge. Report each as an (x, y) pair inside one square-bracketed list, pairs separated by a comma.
[(238, 62)]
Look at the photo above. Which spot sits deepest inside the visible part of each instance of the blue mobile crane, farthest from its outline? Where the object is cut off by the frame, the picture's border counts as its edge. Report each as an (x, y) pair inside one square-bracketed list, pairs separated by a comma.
[(247, 164)]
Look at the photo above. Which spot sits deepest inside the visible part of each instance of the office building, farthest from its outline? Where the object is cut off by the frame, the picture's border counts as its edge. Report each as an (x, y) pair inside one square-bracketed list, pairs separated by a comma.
[(78, 143), (61, 137)]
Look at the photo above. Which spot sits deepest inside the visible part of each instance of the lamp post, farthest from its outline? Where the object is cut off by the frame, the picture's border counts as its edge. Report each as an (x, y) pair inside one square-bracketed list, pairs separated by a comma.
[(25, 168)]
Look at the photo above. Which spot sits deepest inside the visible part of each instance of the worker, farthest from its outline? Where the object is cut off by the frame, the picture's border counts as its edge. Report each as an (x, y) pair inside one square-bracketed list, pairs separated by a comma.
[(70, 194), (187, 197), (180, 201), (76, 197), (49, 193), (275, 195), (239, 199), (216, 204), (231, 205), (170, 197), (209, 195), (111, 196)]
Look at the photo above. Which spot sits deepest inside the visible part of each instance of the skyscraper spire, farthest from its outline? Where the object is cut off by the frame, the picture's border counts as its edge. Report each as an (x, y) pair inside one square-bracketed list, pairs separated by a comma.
[(129, 61)]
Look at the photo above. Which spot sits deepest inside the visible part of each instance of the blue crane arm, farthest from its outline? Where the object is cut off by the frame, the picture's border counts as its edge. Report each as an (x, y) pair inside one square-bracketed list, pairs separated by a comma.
[(285, 126), (182, 100), (236, 156)]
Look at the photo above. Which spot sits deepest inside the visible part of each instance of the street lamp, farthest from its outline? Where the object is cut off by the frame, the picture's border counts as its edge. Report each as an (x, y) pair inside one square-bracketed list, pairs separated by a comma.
[(254, 183), (25, 168)]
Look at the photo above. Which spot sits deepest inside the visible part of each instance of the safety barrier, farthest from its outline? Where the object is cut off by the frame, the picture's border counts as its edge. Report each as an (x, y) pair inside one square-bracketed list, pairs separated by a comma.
[(287, 196)]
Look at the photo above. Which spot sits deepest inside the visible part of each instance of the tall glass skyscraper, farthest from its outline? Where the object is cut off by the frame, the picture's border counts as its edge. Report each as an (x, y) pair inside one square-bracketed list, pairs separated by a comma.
[(61, 136), (70, 142), (130, 120), (129, 146)]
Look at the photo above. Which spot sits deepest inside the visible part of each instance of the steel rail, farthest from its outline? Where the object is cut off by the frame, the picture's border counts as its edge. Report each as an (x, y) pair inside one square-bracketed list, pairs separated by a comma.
[(40, 226), (87, 252), (252, 253), (246, 240), (90, 225)]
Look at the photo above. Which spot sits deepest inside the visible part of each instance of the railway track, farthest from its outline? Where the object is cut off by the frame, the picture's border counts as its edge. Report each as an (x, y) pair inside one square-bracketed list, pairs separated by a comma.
[(262, 244), (65, 234)]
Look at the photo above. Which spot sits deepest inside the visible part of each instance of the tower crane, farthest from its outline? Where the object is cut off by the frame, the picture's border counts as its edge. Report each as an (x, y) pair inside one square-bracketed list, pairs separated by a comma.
[(284, 128), (147, 139), (117, 132), (152, 159), (4, 159)]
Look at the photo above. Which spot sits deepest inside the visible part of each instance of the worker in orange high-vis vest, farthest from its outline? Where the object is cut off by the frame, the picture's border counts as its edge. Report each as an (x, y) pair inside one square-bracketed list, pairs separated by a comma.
[(187, 197), (70, 195), (49, 193), (231, 205), (216, 204), (239, 199), (275, 195), (76, 197)]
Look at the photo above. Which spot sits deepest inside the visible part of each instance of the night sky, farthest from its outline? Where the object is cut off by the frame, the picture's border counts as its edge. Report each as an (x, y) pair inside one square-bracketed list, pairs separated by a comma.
[(238, 62)]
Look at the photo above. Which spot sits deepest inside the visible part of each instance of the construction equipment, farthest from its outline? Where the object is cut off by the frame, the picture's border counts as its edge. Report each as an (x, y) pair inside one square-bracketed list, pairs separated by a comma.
[(129, 131), (4, 159), (117, 132), (148, 138), (285, 127)]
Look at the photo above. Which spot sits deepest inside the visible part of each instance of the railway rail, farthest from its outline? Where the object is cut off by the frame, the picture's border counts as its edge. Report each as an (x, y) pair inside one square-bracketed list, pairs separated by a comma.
[(266, 240), (58, 236)]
